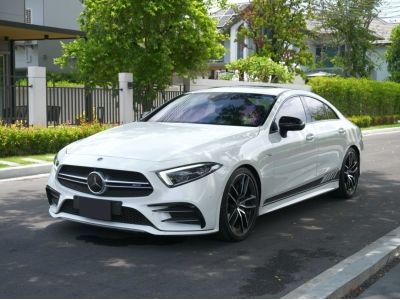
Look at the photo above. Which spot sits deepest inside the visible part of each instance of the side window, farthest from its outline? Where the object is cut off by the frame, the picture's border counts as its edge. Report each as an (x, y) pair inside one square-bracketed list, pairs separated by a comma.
[(291, 108), (319, 111)]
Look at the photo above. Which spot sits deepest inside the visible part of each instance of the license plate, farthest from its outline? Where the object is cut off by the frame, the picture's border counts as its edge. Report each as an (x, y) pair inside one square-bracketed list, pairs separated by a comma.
[(94, 208)]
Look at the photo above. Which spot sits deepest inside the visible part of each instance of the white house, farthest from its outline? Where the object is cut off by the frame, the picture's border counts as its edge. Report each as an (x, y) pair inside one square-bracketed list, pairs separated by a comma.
[(230, 23)]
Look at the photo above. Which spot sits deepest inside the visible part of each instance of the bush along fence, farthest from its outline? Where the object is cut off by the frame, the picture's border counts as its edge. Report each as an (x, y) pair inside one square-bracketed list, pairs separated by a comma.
[(365, 102), (35, 103), (40, 140)]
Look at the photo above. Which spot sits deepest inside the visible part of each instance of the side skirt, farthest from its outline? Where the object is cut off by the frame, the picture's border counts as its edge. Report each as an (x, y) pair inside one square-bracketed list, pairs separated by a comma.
[(316, 191)]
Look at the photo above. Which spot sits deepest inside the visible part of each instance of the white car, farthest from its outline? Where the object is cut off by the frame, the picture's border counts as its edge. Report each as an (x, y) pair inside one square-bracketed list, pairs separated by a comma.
[(208, 161)]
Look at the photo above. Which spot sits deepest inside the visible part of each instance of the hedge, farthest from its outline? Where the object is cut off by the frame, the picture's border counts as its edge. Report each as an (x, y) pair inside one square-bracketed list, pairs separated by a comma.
[(366, 121), (355, 97), (27, 141)]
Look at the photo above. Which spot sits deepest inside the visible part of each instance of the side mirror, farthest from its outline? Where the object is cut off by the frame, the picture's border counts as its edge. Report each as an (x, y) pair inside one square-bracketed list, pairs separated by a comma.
[(290, 124)]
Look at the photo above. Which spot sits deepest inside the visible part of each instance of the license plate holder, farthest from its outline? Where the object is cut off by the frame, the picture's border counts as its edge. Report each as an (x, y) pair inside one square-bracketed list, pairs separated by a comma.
[(94, 208)]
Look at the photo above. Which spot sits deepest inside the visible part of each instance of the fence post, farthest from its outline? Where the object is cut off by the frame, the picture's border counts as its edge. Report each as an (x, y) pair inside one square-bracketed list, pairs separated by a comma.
[(37, 102), (125, 97)]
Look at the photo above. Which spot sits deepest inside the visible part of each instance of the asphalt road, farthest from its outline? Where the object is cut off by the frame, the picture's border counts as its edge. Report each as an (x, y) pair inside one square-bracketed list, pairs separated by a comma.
[(41, 257)]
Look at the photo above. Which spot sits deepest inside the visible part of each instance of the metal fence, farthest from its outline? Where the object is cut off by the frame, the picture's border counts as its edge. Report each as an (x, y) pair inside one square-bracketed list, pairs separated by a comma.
[(162, 97), (14, 107), (72, 105)]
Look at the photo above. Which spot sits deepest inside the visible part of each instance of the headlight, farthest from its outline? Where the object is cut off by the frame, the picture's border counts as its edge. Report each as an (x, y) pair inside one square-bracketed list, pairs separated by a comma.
[(181, 175), (56, 162)]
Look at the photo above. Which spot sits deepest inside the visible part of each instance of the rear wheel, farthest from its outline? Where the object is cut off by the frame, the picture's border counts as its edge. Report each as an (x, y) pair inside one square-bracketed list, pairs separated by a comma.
[(349, 174), (239, 207)]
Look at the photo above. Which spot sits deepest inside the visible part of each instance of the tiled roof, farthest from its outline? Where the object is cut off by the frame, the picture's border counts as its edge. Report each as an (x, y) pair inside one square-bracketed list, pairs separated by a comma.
[(381, 28), (226, 17)]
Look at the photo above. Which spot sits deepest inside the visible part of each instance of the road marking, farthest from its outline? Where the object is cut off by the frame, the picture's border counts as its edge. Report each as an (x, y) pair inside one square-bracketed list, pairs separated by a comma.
[(351, 272), (25, 177)]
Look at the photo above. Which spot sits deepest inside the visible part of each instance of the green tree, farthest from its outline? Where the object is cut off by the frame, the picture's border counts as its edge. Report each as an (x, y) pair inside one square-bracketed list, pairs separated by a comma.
[(152, 39), (393, 55), (260, 68), (278, 30), (347, 22)]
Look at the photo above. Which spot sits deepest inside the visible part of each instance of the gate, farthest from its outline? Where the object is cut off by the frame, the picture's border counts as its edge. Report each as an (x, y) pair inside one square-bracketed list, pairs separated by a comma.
[(72, 105), (14, 107), (161, 98)]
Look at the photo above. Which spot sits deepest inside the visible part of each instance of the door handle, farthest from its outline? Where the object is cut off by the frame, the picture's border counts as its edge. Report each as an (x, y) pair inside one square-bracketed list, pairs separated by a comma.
[(310, 137), (341, 131)]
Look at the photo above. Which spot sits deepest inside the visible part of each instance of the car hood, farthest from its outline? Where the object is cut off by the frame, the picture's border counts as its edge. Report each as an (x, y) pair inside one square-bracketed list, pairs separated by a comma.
[(155, 141)]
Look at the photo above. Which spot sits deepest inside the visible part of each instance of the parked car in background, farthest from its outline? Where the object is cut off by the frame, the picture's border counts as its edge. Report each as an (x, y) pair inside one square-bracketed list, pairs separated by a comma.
[(208, 161)]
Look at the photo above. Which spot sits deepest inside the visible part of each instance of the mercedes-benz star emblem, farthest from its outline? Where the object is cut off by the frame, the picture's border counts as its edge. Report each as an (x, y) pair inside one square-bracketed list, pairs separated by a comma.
[(95, 183)]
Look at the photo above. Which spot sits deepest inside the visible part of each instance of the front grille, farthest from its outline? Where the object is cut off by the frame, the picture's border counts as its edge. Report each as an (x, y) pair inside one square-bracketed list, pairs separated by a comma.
[(118, 183), (119, 214), (183, 213)]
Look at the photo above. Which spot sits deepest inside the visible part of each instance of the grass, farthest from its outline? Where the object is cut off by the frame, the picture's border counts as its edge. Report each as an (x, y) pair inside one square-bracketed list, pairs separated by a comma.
[(382, 126), (20, 159)]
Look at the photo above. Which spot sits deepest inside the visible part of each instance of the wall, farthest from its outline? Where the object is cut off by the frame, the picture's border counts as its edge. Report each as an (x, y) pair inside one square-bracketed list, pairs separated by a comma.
[(381, 69), (36, 7), (52, 13), (200, 84), (62, 13), (12, 10), (48, 50)]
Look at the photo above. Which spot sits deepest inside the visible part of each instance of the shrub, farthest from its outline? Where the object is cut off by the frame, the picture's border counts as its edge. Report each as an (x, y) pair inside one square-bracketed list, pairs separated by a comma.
[(366, 121), (361, 121), (16, 140), (355, 96), (261, 68)]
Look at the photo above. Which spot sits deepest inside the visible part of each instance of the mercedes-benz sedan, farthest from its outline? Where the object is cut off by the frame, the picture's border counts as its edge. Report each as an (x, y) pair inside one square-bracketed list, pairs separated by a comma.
[(208, 161)]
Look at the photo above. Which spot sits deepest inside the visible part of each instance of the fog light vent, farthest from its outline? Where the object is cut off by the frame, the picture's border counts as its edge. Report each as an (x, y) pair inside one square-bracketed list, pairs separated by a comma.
[(52, 196), (183, 213)]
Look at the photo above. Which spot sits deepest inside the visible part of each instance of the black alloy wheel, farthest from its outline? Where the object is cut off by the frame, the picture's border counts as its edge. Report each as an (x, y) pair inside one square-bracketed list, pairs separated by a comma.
[(240, 205), (349, 174)]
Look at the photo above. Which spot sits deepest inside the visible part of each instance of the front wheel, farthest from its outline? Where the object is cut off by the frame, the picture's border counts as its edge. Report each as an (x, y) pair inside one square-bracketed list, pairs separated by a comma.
[(239, 207), (349, 175)]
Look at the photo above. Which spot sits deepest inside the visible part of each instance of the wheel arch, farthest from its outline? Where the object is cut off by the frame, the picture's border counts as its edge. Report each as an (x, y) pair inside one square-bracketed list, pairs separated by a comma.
[(253, 170), (358, 152)]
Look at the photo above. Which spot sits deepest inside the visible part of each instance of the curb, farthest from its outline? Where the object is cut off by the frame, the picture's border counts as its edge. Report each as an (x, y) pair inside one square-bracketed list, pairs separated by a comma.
[(25, 171), (351, 272), (380, 130)]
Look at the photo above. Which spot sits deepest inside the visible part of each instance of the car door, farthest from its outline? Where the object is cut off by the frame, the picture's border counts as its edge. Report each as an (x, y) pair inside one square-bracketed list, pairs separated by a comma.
[(330, 137), (293, 157)]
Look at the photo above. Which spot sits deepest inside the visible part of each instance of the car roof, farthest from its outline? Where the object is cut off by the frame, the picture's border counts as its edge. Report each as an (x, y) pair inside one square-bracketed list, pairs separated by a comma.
[(271, 91)]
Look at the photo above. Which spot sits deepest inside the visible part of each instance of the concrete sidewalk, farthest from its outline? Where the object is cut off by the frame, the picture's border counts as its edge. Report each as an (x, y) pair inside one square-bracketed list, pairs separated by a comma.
[(351, 273), (22, 171), (387, 287)]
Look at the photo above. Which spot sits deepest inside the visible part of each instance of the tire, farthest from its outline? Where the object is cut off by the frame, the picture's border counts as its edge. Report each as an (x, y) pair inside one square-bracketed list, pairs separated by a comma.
[(349, 175), (239, 207)]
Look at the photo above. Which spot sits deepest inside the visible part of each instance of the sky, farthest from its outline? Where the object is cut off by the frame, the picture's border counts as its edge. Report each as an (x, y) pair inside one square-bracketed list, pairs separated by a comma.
[(390, 9)]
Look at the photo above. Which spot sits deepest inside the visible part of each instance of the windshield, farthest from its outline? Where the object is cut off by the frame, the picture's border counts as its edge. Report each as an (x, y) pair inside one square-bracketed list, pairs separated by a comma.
[(235, 109)]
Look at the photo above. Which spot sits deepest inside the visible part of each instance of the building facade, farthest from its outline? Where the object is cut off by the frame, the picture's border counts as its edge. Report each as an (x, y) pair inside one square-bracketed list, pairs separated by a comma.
[(53, 13), (23, 43)]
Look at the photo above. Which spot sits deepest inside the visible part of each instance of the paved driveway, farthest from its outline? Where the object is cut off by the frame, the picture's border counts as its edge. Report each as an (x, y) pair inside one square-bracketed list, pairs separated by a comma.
[(41, 257)]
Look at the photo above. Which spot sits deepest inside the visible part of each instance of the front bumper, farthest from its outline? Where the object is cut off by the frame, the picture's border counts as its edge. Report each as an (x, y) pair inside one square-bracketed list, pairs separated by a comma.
[(203, 195)]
